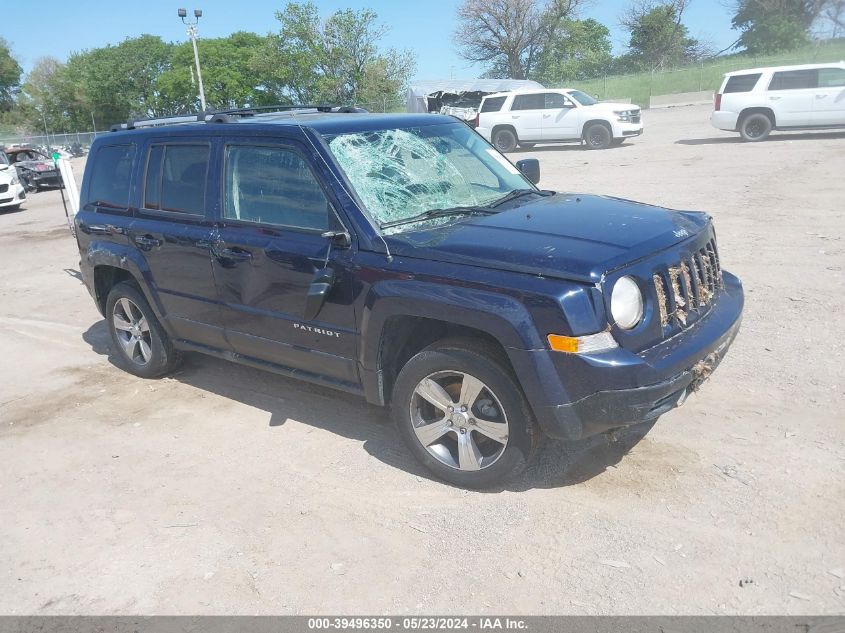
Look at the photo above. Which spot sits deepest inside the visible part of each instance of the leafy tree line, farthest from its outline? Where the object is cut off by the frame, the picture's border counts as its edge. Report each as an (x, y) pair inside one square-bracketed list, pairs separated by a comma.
[(339, 59), (308, 60), (545, 40)]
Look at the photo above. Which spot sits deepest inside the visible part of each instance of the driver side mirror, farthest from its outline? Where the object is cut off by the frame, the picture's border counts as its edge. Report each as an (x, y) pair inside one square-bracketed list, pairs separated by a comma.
[(530, 168)]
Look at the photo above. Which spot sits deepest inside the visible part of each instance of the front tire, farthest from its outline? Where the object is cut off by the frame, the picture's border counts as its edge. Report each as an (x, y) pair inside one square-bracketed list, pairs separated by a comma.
[(505, 140), (142, 347), (598, 136), (755, 127), (489, 434)]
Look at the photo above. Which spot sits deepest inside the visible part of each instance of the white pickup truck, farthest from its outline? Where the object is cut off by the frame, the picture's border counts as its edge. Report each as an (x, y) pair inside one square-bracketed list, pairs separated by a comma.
[(525, 118)]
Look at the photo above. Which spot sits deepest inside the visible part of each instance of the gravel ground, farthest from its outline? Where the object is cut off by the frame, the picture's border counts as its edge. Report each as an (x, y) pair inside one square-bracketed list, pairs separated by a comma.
[(223, 489)]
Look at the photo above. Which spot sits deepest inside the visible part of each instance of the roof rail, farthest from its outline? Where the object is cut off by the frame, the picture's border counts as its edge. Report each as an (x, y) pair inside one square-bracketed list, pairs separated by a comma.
[(229, 115)]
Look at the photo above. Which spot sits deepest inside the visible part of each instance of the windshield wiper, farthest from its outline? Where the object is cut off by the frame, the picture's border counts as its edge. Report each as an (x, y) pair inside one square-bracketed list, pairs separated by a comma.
[(518, 193), (437, 213)]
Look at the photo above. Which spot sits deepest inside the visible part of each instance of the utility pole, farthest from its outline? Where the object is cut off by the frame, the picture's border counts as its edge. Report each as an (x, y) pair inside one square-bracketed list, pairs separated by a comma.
[(192, 33)]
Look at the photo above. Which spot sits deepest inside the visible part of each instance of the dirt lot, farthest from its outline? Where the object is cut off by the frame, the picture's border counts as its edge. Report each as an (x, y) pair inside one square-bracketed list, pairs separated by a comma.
[(226, 490)]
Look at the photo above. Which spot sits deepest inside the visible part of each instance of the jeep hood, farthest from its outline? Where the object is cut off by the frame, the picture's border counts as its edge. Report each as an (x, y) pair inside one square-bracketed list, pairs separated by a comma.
[(567, 236)]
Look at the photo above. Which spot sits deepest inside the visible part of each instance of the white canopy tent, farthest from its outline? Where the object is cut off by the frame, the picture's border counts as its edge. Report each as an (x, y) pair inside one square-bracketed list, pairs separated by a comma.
[(419, 91)]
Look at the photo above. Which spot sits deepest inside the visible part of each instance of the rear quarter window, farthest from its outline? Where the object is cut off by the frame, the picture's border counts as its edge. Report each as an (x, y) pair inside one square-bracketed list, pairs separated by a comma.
[(741, 83), (493, 104), (111, 174)]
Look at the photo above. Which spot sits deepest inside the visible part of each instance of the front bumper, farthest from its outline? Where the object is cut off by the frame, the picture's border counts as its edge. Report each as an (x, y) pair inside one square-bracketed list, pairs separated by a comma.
[(14, 195), (622, 129), (575, 396)]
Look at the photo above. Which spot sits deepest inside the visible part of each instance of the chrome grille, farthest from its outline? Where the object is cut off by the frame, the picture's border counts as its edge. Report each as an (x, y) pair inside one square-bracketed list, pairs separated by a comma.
[(685, 291), (635, 118)]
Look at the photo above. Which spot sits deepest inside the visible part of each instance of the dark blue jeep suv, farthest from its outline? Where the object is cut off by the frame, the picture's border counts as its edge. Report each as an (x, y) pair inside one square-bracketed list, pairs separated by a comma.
[(403, 259)]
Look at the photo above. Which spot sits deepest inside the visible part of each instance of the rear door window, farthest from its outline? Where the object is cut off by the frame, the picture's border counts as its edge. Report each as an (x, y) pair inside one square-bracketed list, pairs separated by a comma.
[(175, 178), (741, 83), (795, 80), (111, 174), (493, 104), (529, 102)]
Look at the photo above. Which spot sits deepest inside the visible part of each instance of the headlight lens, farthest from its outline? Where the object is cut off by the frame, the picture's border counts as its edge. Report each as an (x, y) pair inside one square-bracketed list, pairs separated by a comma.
[(15, 180), (626, 303)]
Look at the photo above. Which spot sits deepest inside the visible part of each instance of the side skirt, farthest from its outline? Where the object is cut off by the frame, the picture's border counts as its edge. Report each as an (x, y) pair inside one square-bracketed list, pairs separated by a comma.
[(282, 370)]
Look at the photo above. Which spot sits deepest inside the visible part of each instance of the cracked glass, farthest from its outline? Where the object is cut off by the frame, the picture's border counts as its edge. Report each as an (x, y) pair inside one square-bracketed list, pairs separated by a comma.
[(401, 172)]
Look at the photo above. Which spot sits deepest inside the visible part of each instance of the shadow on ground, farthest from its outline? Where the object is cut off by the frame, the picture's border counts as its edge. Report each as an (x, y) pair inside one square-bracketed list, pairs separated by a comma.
[(724, 140), (556, 464)]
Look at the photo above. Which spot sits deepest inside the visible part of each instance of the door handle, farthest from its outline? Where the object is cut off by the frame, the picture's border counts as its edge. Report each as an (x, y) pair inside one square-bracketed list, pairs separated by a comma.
[(232, 253), (546, 116), (147, 241), (773, 98), (820, 96), (514, 116)]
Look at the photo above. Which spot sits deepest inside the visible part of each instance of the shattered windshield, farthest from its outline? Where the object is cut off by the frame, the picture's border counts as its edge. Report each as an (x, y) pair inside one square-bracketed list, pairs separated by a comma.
[(402, 173), (582, 97)]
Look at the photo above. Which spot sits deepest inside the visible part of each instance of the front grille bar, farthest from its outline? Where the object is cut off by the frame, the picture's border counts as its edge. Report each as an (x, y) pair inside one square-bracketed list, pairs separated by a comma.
[(685, 290)]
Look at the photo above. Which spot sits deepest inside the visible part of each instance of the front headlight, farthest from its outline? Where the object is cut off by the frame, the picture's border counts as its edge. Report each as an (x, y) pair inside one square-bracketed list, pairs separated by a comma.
[(626, 303), (624, 115), (14, 180)]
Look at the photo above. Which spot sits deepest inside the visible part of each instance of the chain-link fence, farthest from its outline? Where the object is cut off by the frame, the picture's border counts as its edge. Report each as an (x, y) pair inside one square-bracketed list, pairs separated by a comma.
[(49, 141), (640, 87)]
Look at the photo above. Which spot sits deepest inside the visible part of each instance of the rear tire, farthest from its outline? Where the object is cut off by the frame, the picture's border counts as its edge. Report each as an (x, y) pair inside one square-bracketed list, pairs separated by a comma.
[(486, 445), (142, 347), (755, 127), (598, 136), (505, 140)]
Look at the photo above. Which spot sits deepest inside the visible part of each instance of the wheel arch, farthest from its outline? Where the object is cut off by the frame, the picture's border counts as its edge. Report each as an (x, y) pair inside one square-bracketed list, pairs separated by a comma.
[(503, 126), (110, 264), (400, 320), (746, 112), (591, 122)]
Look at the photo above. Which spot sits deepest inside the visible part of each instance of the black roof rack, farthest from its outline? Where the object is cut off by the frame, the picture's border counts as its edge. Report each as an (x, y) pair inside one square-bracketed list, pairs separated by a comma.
[(230, 115)]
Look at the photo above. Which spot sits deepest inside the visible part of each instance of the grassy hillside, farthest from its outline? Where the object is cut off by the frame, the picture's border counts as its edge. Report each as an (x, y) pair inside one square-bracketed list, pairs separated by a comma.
[(707, 76)]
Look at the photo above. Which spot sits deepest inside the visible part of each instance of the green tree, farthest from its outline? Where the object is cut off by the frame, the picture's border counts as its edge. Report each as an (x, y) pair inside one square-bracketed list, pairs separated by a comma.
[(48, 96), (336, 60), (508, 36), (227, 74), (771, 26), (10, 76), (658, 39), (580, 49)]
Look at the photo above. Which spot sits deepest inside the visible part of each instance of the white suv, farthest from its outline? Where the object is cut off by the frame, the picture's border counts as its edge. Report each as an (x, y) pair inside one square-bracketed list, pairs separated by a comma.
[(755, 102), (527, 117)]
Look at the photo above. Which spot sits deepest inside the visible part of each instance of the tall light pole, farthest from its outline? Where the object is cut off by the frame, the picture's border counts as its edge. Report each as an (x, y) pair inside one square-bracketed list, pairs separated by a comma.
[(192, 33)]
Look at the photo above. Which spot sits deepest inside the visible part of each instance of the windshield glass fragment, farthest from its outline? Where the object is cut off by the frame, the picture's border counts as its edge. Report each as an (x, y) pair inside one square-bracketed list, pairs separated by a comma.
[(400, 173)]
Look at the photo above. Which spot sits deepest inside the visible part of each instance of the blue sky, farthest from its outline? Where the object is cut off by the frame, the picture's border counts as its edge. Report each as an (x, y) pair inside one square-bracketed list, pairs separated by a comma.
[(425, 26)]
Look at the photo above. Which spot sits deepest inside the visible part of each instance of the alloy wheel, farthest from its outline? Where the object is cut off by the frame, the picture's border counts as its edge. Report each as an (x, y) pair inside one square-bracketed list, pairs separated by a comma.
[(132, 330), (459, 420)]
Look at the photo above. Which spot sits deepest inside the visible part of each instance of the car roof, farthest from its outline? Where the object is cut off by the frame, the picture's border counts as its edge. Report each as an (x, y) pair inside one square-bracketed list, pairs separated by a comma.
[(528, 91), (324, 123), (767, 69)]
